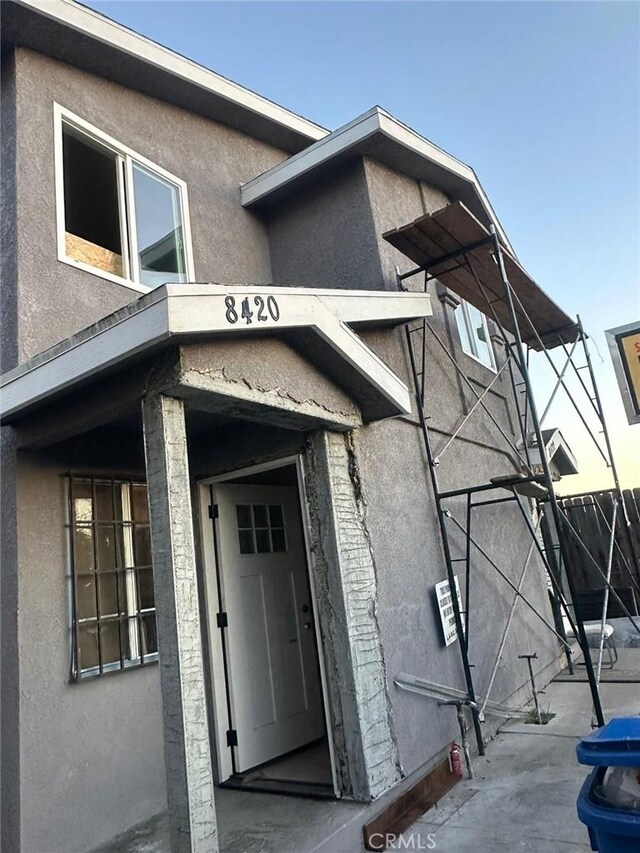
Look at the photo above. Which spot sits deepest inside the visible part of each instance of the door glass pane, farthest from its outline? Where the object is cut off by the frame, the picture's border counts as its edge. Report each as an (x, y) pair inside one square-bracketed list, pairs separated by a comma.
[(260, 515), (277, 537), (263, 542), (246, 542), (158, 229), (243, 512), (91, 209)]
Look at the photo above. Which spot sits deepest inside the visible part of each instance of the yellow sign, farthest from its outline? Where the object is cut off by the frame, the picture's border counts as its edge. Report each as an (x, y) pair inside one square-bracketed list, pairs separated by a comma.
[(630, 351), (624, 346)]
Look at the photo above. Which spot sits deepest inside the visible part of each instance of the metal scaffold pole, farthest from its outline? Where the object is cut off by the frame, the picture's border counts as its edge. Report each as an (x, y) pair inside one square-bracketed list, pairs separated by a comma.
[(548, 481), (462, 637), (607, 439)]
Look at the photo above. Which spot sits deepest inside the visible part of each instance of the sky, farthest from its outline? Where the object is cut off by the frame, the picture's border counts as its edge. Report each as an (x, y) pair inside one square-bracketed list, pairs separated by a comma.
[(542, 99)]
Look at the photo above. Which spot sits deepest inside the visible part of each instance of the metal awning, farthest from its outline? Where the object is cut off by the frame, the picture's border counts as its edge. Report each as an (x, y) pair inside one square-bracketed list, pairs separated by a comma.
[(439, 243)]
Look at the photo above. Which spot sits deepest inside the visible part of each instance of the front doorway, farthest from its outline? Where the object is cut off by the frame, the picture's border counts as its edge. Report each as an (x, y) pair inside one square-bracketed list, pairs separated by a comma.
[(270, 709)]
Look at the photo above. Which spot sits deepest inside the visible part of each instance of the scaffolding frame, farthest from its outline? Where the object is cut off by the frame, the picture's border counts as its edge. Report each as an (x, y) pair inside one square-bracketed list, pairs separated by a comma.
[(539, 486)]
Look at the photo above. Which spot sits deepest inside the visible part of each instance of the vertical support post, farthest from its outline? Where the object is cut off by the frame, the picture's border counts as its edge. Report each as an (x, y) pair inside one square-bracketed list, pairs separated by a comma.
[(558, 602), (555, 510), (186, 735), (605, 603), (462, 639), (345, 578), (467, 568)]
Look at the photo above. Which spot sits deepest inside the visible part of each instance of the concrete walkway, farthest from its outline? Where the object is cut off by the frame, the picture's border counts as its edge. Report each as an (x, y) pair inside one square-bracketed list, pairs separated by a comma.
[(523, 798), (524, 795)]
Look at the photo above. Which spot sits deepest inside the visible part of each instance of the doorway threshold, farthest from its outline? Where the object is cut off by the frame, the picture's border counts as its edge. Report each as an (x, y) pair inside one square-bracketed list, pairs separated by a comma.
[(280, 786), (304, 772)]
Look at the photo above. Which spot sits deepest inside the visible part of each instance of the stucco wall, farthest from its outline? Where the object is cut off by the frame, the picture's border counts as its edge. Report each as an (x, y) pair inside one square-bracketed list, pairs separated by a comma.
[(8, 252), (271, 370), (9, 670), (324, 235), (230, 245), (106, 771), (402, 521), (91, 753)]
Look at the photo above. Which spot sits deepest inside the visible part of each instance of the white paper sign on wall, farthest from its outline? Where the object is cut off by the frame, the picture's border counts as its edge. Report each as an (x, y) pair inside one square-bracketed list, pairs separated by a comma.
[(445, 606)]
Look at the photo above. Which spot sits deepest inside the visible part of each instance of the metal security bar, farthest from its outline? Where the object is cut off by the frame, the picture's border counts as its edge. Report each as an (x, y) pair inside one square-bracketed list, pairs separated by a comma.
[(113, 607)]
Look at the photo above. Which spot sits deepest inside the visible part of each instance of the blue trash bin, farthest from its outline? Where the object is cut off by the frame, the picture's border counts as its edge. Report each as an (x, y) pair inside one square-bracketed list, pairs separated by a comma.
[(612, 814)]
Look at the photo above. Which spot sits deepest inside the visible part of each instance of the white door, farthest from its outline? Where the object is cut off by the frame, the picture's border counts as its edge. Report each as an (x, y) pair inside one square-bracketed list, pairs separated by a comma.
[(272, 665)]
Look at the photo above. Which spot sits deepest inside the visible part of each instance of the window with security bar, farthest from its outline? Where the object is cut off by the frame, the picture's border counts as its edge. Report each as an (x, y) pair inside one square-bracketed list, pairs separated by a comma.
[(114, 617)]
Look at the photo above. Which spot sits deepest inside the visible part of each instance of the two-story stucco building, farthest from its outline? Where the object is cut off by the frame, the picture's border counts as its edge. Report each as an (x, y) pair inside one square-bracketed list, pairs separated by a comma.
[(220, 544)]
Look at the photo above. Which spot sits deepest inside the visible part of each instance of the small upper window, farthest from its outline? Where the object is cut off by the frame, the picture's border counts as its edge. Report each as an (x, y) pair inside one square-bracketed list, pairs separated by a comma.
[(474, 334), (119, 215)]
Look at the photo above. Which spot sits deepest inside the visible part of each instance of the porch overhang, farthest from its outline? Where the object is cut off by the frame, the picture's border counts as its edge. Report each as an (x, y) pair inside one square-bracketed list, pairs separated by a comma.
[(318, 323)]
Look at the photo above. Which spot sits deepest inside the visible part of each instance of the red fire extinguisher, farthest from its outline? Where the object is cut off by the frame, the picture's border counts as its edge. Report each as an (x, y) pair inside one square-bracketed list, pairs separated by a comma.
[(455, 760)]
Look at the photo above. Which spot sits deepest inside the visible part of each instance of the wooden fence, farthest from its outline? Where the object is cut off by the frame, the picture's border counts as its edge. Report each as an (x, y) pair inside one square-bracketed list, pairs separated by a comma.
[(590, 515)]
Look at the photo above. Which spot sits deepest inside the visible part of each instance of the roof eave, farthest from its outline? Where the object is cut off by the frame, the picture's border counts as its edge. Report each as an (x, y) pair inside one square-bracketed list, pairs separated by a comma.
[(82, 37), (358, 138)]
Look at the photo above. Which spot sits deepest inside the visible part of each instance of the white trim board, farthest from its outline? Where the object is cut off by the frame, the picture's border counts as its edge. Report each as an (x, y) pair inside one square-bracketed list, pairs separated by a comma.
[(177, 311)]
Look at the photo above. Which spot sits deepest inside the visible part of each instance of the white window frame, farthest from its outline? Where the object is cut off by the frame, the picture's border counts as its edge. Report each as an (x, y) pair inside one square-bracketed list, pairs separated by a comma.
[(126, 157), (462, 316), (131, 590)]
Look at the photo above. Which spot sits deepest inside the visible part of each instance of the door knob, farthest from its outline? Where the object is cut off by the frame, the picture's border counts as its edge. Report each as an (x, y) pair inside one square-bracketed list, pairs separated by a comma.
[(307, 625)]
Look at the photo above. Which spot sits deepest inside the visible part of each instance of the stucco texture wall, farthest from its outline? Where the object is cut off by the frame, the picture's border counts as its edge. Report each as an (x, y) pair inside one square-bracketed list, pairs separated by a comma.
[(402, 521), (230, 245), (324, 235), (91, 754), (272, 370), (8, 254)]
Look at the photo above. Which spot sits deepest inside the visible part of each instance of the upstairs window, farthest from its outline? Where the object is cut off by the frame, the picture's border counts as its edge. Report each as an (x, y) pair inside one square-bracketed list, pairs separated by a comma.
[(119, 216), (113, 615), (474, 334)]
